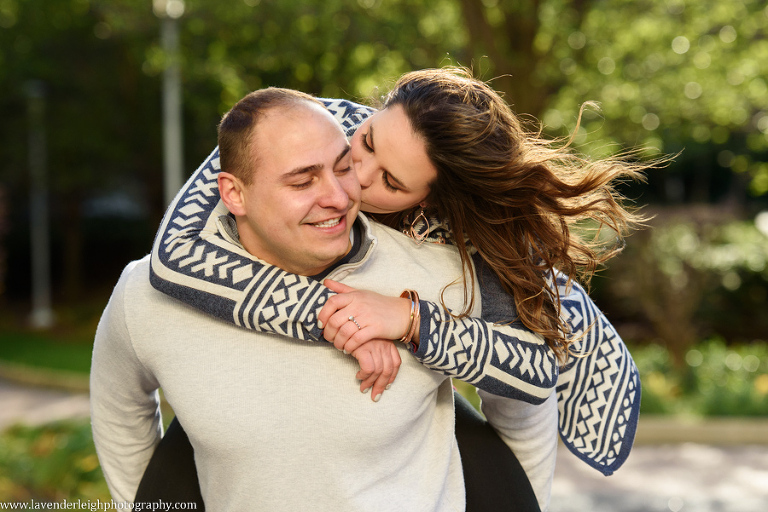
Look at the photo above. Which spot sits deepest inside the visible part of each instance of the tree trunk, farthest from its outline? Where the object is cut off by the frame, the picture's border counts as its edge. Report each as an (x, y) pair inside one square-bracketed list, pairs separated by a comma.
[(509, 48)]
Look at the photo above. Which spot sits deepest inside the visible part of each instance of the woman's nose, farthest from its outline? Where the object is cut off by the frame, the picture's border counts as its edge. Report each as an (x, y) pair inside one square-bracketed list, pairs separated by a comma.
[(364, 170)]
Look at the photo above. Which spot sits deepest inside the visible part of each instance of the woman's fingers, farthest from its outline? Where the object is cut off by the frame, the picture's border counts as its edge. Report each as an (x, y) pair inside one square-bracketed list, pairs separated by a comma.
[(374, 370), (379, 363), (337, 287), (331, 307), (382, 381), (358, 339), (396, 362)]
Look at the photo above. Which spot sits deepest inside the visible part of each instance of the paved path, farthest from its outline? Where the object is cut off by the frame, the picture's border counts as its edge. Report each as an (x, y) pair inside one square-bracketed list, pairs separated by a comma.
[(682, 477), (35, 406)]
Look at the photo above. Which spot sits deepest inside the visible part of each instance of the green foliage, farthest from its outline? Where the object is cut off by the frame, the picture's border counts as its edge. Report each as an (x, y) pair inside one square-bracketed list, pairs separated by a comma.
[(668, 76), (716, 380), (54, 462), (692, 275)]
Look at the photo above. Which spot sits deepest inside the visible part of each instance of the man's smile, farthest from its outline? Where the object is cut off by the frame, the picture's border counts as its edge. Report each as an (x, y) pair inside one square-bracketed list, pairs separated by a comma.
[(328, 223)]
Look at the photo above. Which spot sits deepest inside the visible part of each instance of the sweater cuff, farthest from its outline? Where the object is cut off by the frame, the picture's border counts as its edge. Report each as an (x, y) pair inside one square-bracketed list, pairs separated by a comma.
[(423, 330)]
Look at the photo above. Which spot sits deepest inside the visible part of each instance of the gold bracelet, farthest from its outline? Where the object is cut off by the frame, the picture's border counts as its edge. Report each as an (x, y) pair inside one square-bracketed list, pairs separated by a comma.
[(416, 339), (408, 294), (413, 335), (414, 323)]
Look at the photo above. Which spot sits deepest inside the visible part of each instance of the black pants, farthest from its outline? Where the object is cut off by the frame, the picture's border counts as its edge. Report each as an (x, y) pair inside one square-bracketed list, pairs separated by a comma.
[(494, 479)]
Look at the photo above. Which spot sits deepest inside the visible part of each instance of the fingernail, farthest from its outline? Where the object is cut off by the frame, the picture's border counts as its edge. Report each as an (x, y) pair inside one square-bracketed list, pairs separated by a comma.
[(388, 386), (366, 390), (345, 351), (376, 398), (320, 324)]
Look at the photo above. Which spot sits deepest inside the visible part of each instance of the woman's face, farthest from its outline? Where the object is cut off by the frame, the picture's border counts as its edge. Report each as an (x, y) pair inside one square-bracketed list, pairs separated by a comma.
[(391, 163)]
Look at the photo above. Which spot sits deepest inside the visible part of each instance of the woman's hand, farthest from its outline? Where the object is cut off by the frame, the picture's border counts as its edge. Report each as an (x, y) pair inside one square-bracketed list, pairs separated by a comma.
[(375, 316), (379, 363)]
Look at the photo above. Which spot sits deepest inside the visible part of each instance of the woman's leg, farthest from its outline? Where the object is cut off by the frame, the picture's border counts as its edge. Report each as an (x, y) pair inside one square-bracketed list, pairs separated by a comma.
[(171, 475), (494, 479)]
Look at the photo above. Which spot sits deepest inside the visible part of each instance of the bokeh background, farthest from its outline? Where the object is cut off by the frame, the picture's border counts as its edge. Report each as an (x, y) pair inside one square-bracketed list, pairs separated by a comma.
[(87, 95)]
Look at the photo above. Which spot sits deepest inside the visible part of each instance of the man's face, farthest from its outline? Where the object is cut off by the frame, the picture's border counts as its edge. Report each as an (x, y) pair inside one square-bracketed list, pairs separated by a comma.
[(304, 196)]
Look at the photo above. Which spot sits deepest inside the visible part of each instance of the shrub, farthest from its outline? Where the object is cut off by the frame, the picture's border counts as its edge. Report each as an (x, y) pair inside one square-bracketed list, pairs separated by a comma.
[(53, 462), (716, 380), (690, 276)]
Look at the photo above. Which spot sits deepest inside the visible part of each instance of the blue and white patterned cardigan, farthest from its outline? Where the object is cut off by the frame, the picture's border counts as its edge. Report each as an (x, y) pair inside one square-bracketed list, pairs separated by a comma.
[(598, 391)]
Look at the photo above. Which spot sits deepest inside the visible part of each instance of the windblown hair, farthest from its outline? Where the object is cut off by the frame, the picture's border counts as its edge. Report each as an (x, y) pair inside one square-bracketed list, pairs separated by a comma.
[(237, 127), (515, 196)]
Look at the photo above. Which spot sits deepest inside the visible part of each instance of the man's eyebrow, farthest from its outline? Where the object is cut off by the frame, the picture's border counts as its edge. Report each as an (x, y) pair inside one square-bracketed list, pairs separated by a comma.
[(313, 168), (342, 155)]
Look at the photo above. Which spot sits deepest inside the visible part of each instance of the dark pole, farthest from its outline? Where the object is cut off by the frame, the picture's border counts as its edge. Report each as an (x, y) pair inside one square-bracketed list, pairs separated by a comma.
[(42, 315)]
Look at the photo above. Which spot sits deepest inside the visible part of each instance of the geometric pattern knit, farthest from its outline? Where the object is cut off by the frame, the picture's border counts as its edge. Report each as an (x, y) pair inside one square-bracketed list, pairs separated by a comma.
[(598, 390), (598, 395)]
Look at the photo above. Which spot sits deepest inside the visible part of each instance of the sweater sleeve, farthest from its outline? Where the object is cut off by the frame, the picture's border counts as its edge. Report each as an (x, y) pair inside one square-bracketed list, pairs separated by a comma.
[(125, 406), (598, 389), (494, 353)]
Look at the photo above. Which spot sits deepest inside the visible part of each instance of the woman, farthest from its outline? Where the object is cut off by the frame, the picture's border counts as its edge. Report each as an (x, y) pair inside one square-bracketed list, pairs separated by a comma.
[(469, 169)]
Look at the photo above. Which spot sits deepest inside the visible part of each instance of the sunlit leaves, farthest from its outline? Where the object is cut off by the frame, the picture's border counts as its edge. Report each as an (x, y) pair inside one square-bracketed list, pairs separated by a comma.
[(664, 72)]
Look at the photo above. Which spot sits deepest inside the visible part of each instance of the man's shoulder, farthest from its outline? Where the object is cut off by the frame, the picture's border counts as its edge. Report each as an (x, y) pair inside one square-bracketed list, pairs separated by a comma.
[(135, 277), (136, 268), (137, 295)]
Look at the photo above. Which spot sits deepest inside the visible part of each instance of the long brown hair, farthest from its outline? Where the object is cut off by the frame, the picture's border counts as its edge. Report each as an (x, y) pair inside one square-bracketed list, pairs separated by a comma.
[(516, 196)]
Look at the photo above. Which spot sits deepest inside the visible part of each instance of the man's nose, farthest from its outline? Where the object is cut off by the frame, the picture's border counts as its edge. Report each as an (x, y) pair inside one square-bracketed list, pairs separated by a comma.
[(333, 194)]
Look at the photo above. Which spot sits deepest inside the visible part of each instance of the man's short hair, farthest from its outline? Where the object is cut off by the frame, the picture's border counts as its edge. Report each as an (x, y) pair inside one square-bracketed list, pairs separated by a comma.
[(237, 127)]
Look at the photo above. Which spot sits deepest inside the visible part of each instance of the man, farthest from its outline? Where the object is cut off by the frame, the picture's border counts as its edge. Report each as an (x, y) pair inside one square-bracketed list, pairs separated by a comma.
[(275, 422)]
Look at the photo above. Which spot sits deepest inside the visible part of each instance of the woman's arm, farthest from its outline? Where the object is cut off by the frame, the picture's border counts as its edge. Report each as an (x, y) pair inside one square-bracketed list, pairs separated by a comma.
[(598, 388)]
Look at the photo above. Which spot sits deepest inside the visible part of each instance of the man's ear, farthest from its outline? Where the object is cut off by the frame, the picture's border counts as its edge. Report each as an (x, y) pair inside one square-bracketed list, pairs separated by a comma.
[(231, 192)]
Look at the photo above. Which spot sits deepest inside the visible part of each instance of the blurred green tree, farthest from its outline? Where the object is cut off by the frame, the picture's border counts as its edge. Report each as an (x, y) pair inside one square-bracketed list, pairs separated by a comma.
[(101, 111), (669, 74)]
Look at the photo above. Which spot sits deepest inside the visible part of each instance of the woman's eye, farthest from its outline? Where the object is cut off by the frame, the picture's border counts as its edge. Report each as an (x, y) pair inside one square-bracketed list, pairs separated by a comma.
[(387, 183), (344, 170), (301, 186), (365, 143)]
